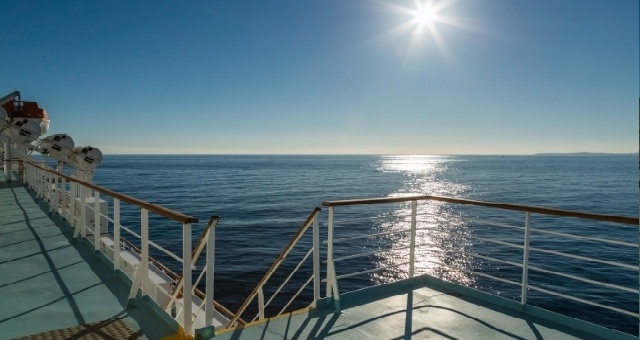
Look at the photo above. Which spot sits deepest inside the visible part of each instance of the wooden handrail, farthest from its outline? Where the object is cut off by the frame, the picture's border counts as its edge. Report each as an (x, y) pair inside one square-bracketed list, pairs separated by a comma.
[(160, 210), (506, 206), (274, 266)]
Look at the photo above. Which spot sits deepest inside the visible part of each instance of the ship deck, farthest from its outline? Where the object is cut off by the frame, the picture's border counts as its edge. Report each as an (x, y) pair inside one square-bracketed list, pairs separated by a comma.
[(48, 283), (422, 308)]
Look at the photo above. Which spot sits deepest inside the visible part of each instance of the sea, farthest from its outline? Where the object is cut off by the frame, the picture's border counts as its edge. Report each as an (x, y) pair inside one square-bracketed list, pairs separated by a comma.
[(262, 201)]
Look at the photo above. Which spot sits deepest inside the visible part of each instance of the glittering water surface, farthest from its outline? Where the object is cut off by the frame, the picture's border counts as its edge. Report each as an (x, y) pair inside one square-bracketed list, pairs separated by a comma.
[(263, 200)]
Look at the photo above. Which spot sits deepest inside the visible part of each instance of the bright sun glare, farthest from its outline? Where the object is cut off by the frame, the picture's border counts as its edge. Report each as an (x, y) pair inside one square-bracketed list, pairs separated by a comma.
[(426, 21), (424, 14)]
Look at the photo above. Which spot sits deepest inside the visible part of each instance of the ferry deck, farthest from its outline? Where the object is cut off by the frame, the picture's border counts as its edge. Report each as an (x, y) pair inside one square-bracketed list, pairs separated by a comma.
[(54, 286)]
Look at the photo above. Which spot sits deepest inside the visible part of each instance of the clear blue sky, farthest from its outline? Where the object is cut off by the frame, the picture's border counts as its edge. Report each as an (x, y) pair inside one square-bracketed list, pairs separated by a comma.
[(330, 76)]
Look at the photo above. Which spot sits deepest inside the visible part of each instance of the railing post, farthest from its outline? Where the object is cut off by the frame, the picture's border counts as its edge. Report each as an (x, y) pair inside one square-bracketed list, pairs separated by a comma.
[(41, 184), (65, 211), (211, 260), (32, 177), (53, 203), (328, 292), (36, 182), (144, 243), (47, 187), (7, 159), (412, 241), (73, 196), (96, 220), (260, 303), (116, 234), (525, 258), (29, 174), (141, 275), (26, 174), (332, 281), (316, 261), (186, 274), (83, 211)]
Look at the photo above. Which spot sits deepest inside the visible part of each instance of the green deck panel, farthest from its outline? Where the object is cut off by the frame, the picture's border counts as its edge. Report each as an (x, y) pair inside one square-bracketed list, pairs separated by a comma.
[(49, 282), (404, 311)]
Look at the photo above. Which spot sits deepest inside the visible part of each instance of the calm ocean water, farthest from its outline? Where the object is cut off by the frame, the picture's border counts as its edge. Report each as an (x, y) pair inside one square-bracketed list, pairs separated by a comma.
[(262, 200)]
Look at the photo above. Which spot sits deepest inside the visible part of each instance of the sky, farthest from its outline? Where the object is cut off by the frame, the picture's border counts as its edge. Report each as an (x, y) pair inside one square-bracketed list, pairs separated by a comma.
[(330, 76)]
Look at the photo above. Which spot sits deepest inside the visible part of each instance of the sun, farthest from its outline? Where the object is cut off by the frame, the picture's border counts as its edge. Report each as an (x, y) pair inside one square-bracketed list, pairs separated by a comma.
[(422, 25), (424, 15)]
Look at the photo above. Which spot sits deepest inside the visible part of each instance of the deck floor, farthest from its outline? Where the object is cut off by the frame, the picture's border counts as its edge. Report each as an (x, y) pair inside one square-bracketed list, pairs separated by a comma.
[(49, 282), (412, 312)]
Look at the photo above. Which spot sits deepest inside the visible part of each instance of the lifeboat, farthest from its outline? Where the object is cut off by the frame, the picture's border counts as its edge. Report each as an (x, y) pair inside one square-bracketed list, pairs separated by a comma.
[(24, 131), (57, 146), (20, 110), (21, 125), (4, 117), (85, 158)]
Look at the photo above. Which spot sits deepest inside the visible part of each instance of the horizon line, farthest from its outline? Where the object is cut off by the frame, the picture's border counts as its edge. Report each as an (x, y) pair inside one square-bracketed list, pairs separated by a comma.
[(584, 153)]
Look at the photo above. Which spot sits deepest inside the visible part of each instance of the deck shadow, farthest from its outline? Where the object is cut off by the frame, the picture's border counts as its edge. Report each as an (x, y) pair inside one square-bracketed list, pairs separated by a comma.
[(117, 290)]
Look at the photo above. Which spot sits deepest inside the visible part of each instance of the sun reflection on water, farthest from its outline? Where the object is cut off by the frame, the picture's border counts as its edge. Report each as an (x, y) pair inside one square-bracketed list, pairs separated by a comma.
[(441, 239)]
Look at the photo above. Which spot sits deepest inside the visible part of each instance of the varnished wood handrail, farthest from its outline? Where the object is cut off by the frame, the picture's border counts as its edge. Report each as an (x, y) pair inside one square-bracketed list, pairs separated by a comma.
[(292, 242), (160, 210), (506, 206)]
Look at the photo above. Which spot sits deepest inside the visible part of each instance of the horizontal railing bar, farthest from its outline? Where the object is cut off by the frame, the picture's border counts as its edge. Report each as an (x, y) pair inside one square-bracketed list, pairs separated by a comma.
[(512, 245), (595, 239), (360, 219), (436, 228), (489, 222), (296, 295), (285, 252), (493, 259), (369, 271), (587, 302), (516, 264), (344, 239), (630, 290), (578, 278), (612, 263), (491, 277), (295, 270), (366, 254), (476, 273), (516, 207), (176, 257), (157, 263), (160, 210), (396, 217)]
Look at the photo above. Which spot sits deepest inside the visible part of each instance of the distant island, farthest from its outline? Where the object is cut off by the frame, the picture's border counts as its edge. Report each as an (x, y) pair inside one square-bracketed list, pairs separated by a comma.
[(586, 154)]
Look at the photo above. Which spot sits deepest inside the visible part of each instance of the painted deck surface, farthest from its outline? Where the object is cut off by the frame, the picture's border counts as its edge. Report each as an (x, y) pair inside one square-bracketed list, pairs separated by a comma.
[(418, 312), (48, 282)]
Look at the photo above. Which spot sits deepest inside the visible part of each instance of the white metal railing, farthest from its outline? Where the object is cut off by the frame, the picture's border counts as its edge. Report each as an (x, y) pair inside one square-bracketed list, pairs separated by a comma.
[(69, 195), (426, 223), (258, 291)]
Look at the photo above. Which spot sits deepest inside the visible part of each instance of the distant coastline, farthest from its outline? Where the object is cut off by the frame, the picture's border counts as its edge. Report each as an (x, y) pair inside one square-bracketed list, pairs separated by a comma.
[(586, 154)]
